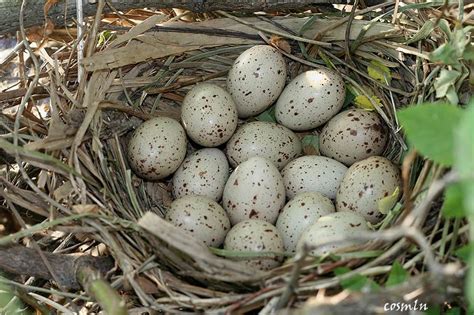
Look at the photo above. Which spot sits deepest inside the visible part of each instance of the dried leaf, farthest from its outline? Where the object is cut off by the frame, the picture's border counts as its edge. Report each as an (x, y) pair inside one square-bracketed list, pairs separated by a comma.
[(48, 5), (379, 72), (363, 101), (281, 43), (85, 208), (63, 191)]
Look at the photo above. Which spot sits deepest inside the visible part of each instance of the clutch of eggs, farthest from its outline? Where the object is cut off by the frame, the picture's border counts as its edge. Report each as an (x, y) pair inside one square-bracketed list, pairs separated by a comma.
[(245, 184)]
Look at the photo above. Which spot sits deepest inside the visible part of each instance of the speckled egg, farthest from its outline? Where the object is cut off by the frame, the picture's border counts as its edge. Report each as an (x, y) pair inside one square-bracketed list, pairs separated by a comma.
[(353, 135), (299, 213), (157, 148), (255, 236), (256, 79), (254, 191), (332, 228), (313, 173), (203, 173), (310, 99), (269, 140), (365, 183), (201, 217), (209, 115)]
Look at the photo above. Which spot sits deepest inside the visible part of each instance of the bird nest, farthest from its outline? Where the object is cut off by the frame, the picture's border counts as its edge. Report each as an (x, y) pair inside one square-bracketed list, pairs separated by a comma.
[(66, 179)]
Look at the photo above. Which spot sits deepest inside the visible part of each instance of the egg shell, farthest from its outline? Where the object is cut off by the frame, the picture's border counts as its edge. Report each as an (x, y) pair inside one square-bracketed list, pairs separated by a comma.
[(265, 139), (255, 236), (201, 218), (256, 79), (209, 115), (353, 135), (299, 213), (365, 183), (254, 191), (157, 148), (332, 228), (203, 173), (310, 99), (313, 173)]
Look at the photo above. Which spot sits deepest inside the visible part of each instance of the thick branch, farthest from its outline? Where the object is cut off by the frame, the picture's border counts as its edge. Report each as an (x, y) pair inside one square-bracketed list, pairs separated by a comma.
[(20, 260), (66, 9)]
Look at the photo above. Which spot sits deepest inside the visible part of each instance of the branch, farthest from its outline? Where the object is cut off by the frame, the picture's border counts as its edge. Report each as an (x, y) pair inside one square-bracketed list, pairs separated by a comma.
[(21, 260), (71, 271), (65, 10)]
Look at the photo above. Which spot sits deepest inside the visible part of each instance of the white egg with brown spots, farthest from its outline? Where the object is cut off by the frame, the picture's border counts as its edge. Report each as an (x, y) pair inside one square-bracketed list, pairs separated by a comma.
[(333, 233), (255, 236), (203, 173), (310, 99), (365, 184), (313, 173), (209, 115), (256, 79), (201, 218), (299, 213), (265, 139), (254, 190), (353, 135), (157, 148)]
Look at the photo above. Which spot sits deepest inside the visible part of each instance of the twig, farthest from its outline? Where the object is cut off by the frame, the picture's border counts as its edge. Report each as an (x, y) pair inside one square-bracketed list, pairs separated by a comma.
[(293, 282), (14, 237), (348, 31), (181, 84), (418, 215), (80, 40), (9, 95), (44, 259), (270, 31)]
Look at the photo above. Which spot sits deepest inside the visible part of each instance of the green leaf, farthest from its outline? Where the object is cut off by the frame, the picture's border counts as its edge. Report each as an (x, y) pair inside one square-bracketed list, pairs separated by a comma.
[(460, 39), (445, 26), (350, 96), (453, 202), (433, 310), (397, 275), (422, 33), (464, 165), (452, 51), (9, 303), (464, 252), (356, 282), (379, 72), (430, 129), (268, 115), (386, 203), (362, 101), (453, 311), (445, 54), (469, 53), (445, 85)]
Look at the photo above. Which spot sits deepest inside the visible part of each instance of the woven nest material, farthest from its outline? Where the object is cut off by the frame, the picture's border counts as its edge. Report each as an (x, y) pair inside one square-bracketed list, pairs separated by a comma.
[(75, 178)]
